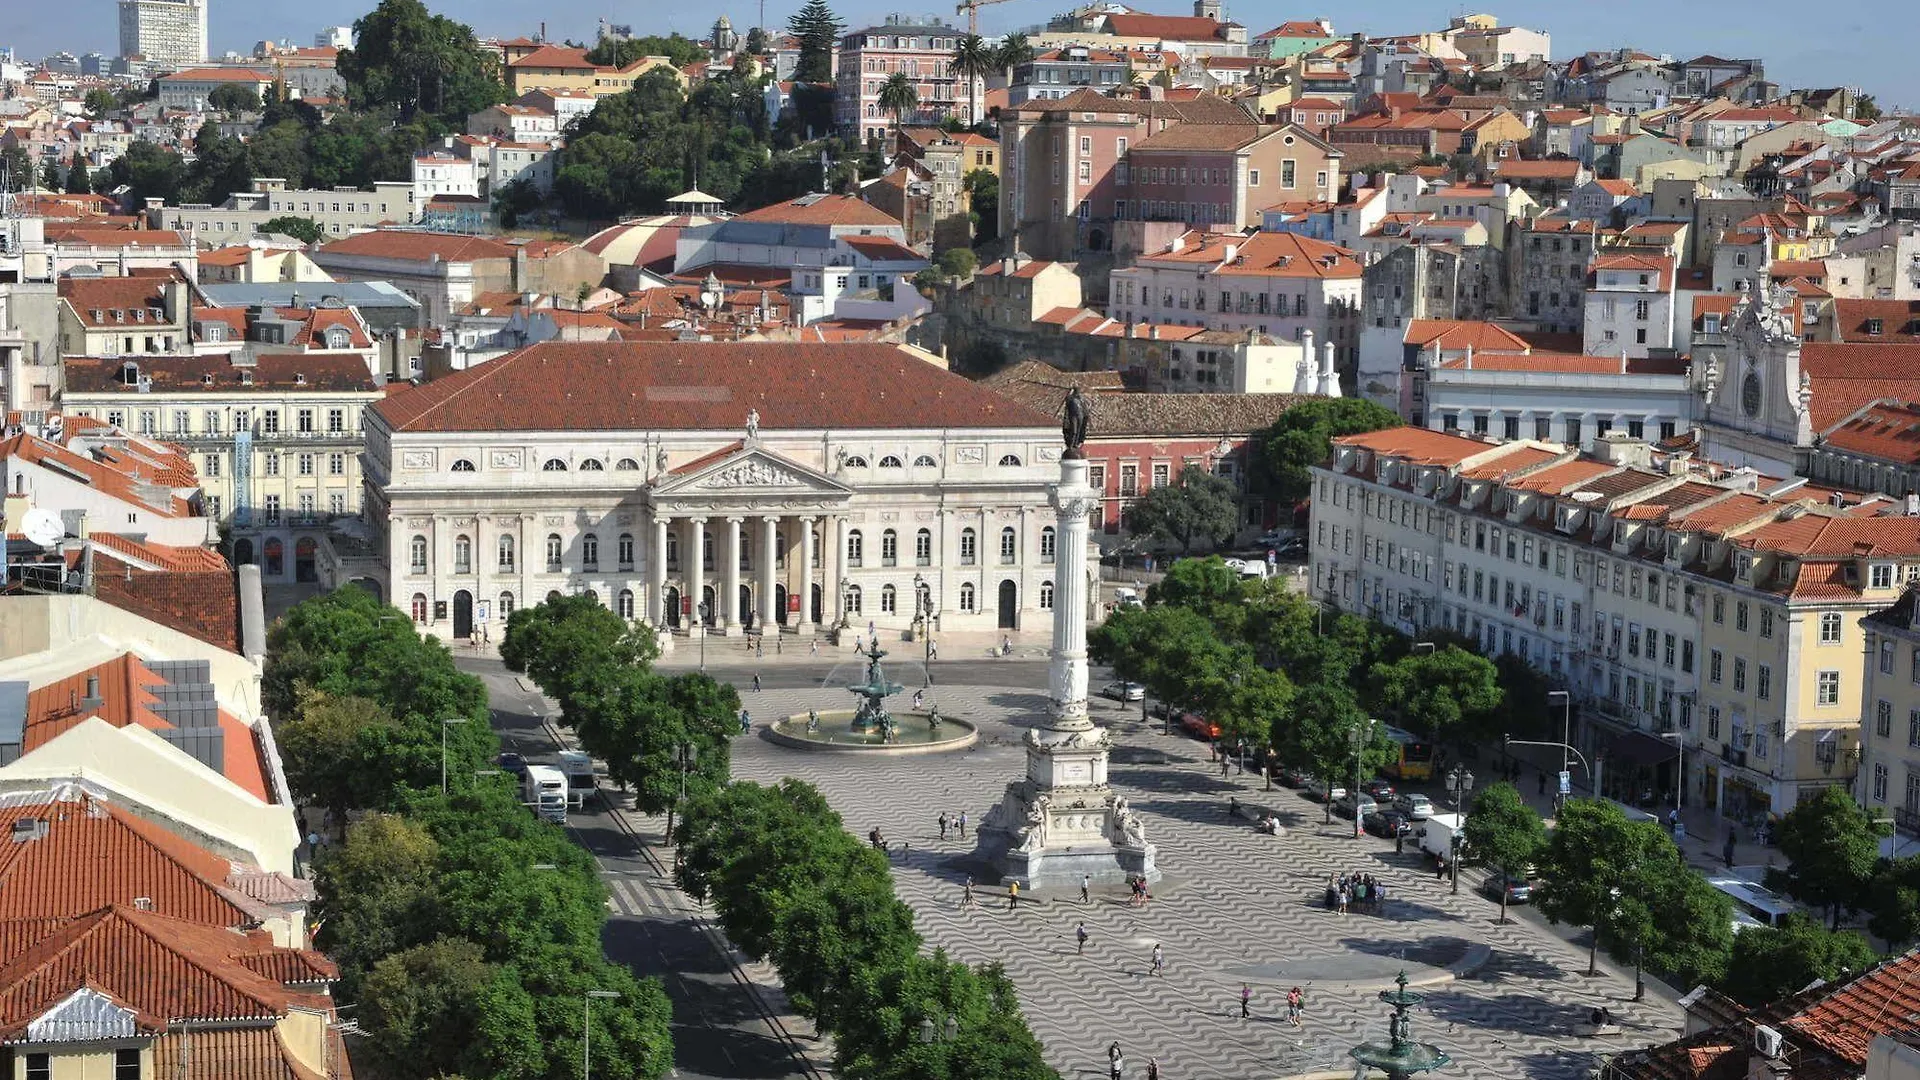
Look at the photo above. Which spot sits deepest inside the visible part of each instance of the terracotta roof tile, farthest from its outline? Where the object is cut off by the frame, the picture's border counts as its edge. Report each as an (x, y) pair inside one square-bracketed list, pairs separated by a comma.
[(329, 373), (416, 246), (1451, 334), (127, 483), (1264, 254), (163, 556), (249, 1053), (1119, 413), (1166, 27), (1521, 457), (822, 210), (568, 386), (202, 605), (1418, 445)]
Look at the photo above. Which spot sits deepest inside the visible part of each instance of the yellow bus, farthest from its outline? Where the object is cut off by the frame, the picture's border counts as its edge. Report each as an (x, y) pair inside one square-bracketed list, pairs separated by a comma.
[(1414, 761)]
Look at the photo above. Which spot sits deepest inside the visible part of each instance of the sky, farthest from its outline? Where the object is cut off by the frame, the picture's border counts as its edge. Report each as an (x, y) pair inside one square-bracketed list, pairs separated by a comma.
[(1868, 42)]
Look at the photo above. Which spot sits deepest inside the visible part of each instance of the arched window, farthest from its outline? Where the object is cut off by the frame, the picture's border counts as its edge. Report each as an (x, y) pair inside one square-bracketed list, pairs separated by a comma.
[(589, 552), (462, 554), (889, 599), (853, 599), (625, 551), (593, 596), (627, 464), (1012, 460), (889, 548), (506, 605), (1046, 596), (417, 554), (1009, 544), (673, 552), (463, 465), (554, 465), (923, 548), (419, 607), (856, 462), (506, 554), (552, 595), (554, 550), (592, 465), (890, 462), (966, 596), (924, 461), (856, 546), (969, 547), (625, 602), (338, 338), (1046, 544)]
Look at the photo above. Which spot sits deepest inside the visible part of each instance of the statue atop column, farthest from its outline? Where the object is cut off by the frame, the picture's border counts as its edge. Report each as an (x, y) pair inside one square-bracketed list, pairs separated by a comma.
[(1076, 415)]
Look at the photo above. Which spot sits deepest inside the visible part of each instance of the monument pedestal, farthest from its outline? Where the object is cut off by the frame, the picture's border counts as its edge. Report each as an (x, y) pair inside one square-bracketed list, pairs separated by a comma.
[(1061, 821)]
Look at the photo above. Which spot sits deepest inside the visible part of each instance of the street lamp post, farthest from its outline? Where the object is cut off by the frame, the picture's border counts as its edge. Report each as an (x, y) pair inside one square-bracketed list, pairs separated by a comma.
[(1565, 701), (925, 608), (1358, 738), (444, 725), (1460, 782), (684, 757), (945, 1032), (586, 1031), (700, 626), (1679, 769)]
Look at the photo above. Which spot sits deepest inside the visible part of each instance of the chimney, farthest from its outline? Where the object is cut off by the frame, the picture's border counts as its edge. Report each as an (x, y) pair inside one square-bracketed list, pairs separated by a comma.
[(1679, 464), (1911, 506), (93, 700), (1233, 252), (1153, 332)]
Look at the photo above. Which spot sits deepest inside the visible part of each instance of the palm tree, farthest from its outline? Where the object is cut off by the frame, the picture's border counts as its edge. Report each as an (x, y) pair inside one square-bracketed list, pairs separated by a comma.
[(973, 60), (898, 97), (1013, 51)]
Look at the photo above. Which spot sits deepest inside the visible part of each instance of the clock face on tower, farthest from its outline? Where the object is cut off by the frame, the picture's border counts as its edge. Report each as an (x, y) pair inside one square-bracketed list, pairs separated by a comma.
[(1750, 393)]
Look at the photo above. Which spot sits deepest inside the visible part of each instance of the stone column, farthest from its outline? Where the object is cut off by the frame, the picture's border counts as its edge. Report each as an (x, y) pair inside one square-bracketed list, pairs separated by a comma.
[(831, 569), (769, 560), (696, 571), (730, 604), (657, 573), (808, 614), (1073, 499)]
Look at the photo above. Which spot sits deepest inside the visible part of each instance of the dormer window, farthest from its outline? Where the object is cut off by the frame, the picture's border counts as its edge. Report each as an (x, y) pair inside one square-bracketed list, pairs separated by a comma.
[(1875, 327), (1880, 576), (1710, 324), (1743, 567)]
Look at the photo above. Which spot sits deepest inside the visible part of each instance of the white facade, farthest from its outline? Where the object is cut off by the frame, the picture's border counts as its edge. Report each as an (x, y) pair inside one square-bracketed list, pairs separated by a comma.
[(443, 174), (1629, 306), (1575, 404), (171, 33)]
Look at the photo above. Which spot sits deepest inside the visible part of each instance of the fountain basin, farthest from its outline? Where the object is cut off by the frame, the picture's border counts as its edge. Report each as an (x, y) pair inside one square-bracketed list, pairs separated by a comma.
[(836, 734)]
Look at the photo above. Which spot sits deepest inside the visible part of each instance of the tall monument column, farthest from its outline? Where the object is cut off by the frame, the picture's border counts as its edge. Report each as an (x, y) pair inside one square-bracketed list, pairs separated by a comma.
[(1061, 820)]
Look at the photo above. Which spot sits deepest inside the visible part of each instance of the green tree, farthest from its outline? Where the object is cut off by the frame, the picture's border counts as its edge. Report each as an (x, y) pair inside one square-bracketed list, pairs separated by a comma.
[(377, 895), (750, 849), (1172, 651), (1198, 505), (99, 102), (441, 1009), (1319, 735), (1865, 109), (623, 52), (1771, 962), (757, 43), (991, 1038), (51, 179), (1303, 437), (958, 262), (1504, 831), (408, 59), (1831, 846), (279, 149), (16, 167), (1014, 50), (1686, 925), (1439, 691), (324, 746), (79, 181), (898, 98), (220, 167), (973, 60), (1590, 859), (304, 229), (513, 200), (1893, 900), (572, 645), (234, 98), (819, 33), (983, 194)]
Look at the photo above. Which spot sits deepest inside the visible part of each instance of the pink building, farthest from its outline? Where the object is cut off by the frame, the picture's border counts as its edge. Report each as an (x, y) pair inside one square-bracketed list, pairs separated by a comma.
[(920, 49)]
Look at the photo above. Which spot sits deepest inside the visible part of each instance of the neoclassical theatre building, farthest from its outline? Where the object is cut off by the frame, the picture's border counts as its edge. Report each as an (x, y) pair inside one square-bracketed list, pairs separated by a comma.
[(733, 486)]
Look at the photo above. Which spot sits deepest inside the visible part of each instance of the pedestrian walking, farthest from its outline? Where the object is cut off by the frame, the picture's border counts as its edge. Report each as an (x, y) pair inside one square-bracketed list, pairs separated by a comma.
[(756, 682), (760, 648), (1013, 895), (1225, 764), (942, 822), (1159, 959), (1080, 938), (1246, 1001), (1153, 1069), (933, 650), (1727, 851), (966, 896), (1086, 888), (1233, 806), (746, 721), (813, 647), (1342, 899), (963, 824), (1114, 1063), (1296, 1004)]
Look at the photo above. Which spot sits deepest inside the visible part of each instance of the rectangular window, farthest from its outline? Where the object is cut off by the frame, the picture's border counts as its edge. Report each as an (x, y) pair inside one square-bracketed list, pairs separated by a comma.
[(303, 421), (336, 465), (1883, 718), (1739, 674), (270, 462), (1740, 616), (1828, 691), (306, 464), (1763, 682), (1766, 622), (1714, 662), (1913, 727), (212, 466), (336, 421), (1686, 655), (1719, 609), (39, 1067)]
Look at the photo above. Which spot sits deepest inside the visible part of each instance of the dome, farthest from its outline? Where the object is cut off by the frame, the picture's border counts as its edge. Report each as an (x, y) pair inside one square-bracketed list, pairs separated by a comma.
[(639, 241)]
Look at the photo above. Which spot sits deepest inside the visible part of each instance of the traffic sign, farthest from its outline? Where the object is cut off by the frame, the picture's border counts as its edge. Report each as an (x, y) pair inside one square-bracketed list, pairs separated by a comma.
[(1566, 782)]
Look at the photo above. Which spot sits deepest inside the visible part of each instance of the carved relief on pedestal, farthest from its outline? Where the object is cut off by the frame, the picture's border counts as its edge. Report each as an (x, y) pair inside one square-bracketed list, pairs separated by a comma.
[(503, 459), (417, 460), (555, 520), (969, 455)]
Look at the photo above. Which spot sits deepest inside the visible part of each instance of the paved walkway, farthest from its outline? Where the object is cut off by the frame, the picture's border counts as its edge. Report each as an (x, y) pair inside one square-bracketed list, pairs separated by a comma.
[(1237, 907)]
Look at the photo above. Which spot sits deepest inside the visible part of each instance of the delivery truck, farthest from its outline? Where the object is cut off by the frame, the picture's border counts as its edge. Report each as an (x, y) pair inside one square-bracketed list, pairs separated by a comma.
[(544, 790), (1436, 834), (578, 767)]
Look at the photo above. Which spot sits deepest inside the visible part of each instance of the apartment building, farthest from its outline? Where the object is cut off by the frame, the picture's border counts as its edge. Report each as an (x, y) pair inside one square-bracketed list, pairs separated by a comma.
[(1055, 73), (1678, 602), (1889, 753), (172, 33), (1223, 174), (338, 211), (920, 49), (1629, 305)]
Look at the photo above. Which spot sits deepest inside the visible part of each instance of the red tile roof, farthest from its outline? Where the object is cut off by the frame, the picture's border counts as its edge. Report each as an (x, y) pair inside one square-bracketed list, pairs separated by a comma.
[(1897, 319), (1454, 334), (555, 56), (418, 246), (884, 249), (563, 386), (163, 556), (126, 482), (1217, 137), (1263, 254), (1418, 445), (251, 1053), (121, 302), (822, 210), (328, 373), (1516, 169), (204, 605), (1164, 27)]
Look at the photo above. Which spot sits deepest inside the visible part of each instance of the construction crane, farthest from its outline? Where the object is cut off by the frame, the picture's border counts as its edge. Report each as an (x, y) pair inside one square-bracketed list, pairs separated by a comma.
[(972, 8)]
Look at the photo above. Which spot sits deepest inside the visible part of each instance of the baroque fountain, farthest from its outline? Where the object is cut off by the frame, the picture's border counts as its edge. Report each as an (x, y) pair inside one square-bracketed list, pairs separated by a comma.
[(870, 728)]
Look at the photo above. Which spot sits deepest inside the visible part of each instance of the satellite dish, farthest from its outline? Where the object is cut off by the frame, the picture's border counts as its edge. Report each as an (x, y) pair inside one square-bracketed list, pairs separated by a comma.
[(42, 526)]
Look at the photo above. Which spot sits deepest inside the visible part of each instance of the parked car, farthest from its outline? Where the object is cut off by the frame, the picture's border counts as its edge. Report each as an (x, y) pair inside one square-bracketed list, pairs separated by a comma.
[(1123, 691), (1415, 806), (1295, 549), (1387, 823), (1198, 726), (1292, 777), (1344, 805), (1381, 790), (1321, 791), (1518, 889), (1274, 538), (512, 763)]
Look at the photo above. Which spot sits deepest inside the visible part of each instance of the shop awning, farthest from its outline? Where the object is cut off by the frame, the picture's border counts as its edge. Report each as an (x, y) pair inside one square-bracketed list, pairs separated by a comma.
[(1639, 748)]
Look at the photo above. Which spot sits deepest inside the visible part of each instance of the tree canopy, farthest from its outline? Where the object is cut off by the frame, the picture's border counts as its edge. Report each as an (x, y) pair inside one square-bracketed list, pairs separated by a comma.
[(623, 52), (1198, 505), (1769, 962), (410, 60), (1832, 847), (819, 33), (234, 98), (1440, 691), (1505, 832), (304, 229), (1303, 437)]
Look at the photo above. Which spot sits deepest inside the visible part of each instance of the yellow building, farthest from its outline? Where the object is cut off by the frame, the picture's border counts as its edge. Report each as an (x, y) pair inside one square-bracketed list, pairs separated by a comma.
[(555, 67), (1890, 714)]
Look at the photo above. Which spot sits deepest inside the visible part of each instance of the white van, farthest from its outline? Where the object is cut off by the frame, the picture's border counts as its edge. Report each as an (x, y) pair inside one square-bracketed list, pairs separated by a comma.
[(1753, 903), (1125, 596), (1436, 834), (578, 767)]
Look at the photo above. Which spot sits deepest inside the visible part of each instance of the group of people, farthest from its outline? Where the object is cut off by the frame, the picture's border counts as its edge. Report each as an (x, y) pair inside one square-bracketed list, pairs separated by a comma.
[(1116, 1063), (955, 821), (1138, 887), (1362, 891)]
